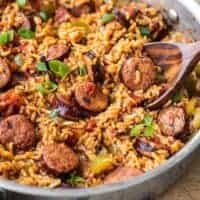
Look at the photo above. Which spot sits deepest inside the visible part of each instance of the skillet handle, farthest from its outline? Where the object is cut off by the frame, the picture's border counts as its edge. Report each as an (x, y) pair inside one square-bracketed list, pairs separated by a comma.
[(3, 194)]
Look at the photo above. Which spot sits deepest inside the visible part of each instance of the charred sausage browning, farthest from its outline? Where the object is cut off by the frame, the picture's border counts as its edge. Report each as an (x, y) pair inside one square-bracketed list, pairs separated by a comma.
[(68, 108), (83, 7), (138, 73), (62, 15), (59, 158), (172, 120), (57, 51), (17, 129), (90, 97)]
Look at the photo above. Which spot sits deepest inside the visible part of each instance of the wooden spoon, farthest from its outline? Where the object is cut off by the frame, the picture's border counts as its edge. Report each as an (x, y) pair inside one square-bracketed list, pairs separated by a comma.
[(177, 61)]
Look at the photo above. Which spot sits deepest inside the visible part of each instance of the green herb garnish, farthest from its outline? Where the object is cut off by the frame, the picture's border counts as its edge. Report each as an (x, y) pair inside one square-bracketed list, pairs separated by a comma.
[(144, 31), (59, 68), (26, 33), (42, 67), (147, 127), (21, 3), (177, 97), (82, 70), (6, 37), (148, 120), (44, 16), (47, 87), (137, 130), (149, 130), (108, 17), (75, 180)]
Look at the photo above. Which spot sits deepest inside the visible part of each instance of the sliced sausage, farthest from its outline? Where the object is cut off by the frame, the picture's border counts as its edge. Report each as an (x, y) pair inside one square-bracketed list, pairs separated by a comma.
[(121, 18), (10, 102), (23, 21), (125, 14), (138, 73), (17, 129), (68, 108), (5, 73), (36, 4), (83, 7), (62, 15), (57, 51), (90, 97), (121, 174), (172, 120), (59, 158)]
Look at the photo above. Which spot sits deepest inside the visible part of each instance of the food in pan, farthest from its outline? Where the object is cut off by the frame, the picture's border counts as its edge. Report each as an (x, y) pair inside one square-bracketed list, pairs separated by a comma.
[(75, 82)]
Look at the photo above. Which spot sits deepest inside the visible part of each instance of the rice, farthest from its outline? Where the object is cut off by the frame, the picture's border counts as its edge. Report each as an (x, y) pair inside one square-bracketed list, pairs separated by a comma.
[(111, 43)]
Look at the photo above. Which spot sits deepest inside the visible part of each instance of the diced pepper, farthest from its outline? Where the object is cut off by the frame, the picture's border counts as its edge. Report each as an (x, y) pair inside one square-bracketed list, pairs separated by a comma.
[(101, 163)]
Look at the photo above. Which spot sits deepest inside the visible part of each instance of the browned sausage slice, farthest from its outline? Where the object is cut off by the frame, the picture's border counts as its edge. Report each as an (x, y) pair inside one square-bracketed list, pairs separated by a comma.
[(68, 108), (121, 174), (83, 7), (90, 97), (62, 15), (57, 51), (138, 73), (59, 158), (36, 4), (5, 73), (17, 129), (172, 120)]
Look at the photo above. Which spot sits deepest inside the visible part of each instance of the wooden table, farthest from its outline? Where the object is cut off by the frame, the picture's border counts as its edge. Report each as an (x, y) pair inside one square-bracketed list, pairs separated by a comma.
[(188, 187)]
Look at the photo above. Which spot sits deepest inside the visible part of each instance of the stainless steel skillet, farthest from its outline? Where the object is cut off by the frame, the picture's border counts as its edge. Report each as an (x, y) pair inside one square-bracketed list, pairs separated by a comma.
[(143, 187)]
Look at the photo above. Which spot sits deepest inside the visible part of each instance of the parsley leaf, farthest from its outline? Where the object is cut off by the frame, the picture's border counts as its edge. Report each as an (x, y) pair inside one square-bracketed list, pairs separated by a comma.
[(148, 120), (177, 97), (82, 70), (42, 67), (108, 17), (144, 30), (137, 130), (59, 68), (47, 87), (75, 180), (149, 131), (146, 128)]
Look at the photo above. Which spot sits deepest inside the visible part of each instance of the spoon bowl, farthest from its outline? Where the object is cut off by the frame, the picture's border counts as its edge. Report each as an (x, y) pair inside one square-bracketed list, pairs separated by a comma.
[(177, 60)]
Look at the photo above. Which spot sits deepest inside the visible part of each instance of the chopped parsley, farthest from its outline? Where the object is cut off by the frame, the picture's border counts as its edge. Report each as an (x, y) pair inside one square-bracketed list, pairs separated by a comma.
[(42, 67), (26, 33), (6, 37), (177, 97), (21, 3), (82, 70), (47, 87), (108, 17), (75, 180), (59, 68), (147, 127), (144, 30)]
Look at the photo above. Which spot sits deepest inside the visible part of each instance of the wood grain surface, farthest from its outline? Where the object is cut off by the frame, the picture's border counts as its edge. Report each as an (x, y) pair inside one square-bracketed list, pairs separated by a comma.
[(188, 187)]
